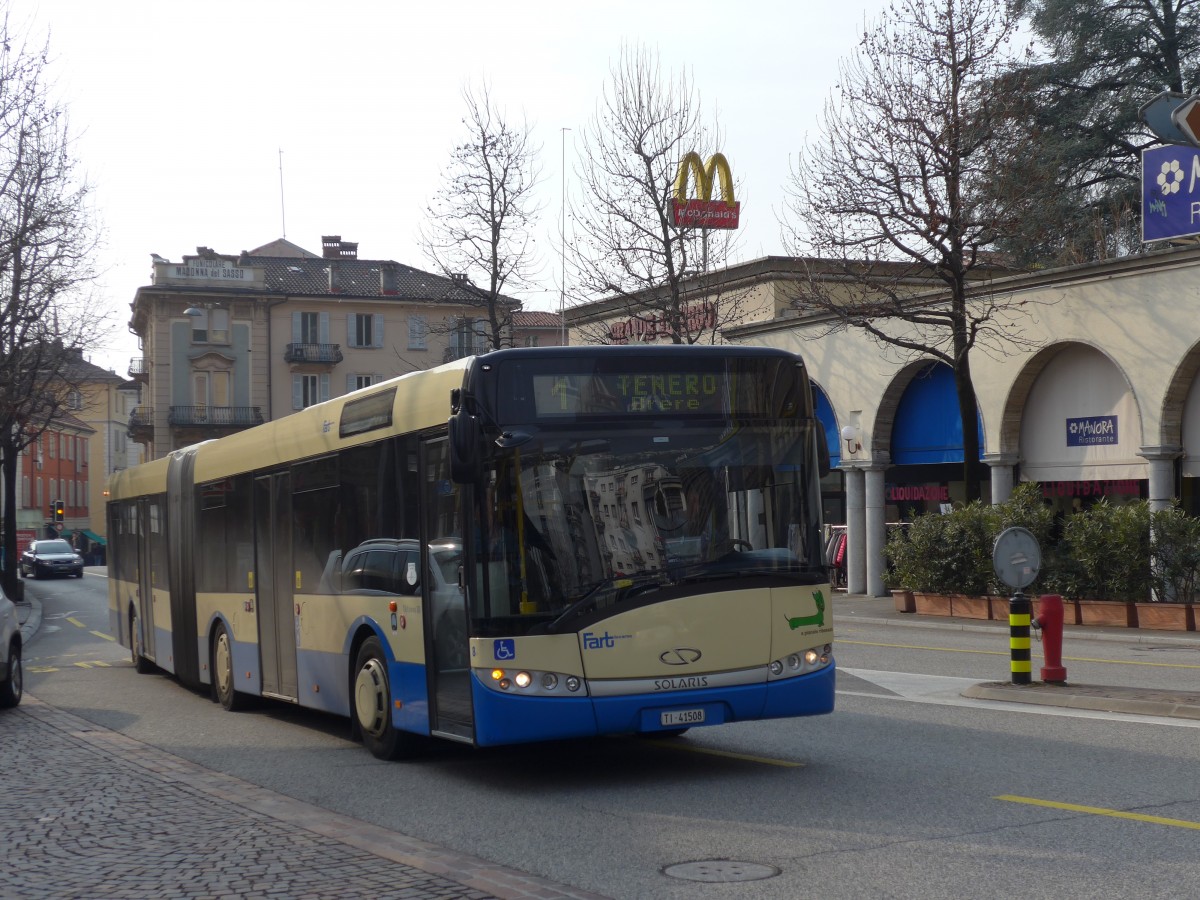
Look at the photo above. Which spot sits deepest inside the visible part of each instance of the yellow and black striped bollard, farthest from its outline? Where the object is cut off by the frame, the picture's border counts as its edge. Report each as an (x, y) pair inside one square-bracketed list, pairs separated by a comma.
[(1020, 611)]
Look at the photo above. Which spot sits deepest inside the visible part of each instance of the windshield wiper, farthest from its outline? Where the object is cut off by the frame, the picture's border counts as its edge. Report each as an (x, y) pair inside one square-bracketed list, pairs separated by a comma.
[(623, 588)]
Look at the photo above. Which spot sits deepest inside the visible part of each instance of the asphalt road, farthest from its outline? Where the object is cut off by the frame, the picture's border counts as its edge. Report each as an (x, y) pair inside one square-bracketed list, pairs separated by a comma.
[(907, 790)]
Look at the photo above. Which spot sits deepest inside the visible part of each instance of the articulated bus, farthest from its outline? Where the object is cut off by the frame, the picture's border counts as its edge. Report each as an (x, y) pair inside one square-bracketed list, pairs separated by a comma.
[(526, 545)]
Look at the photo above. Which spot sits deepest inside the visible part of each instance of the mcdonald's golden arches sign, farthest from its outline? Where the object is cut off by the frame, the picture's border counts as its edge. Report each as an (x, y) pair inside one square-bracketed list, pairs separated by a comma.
[(702, 211)]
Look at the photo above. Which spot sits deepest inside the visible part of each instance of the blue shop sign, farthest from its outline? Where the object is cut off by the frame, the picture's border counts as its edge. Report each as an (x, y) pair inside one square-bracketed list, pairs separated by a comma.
[(1091, 430)]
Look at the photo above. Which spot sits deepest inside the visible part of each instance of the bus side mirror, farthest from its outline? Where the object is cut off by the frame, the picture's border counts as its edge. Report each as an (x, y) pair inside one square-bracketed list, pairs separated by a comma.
[(466, 437), (822, 450)]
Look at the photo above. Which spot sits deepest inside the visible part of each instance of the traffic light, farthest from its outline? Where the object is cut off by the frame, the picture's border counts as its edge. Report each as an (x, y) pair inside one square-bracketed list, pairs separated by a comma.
[(60, 510)]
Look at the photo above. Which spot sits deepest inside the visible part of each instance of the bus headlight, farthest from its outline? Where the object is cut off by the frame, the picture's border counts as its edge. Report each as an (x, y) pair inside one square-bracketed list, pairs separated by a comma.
[(534, 683), (801, 663)]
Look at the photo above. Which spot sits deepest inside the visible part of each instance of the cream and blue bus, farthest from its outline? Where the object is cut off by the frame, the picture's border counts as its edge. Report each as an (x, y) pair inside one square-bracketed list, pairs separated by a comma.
[(524, 545)]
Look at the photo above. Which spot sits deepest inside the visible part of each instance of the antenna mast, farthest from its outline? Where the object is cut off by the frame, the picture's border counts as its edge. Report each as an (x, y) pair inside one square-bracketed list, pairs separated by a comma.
[(282, 212), (562, 245)]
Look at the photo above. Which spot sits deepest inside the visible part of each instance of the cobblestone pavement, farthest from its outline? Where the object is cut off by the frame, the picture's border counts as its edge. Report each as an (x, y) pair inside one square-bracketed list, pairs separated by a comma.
[(89, 813)]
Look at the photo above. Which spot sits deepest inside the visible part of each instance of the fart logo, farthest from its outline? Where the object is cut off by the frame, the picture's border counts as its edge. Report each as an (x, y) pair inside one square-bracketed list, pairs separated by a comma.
[(598, 641), (818, 619), (703, 211)]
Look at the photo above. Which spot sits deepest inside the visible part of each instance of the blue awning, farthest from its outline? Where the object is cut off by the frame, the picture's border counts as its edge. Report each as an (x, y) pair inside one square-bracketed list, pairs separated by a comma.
[(927, 428), (824, 412)]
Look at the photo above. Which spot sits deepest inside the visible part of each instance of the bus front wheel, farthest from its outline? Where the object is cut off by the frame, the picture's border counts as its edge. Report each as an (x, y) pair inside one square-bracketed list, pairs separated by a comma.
[(222, 671), (373, 705)]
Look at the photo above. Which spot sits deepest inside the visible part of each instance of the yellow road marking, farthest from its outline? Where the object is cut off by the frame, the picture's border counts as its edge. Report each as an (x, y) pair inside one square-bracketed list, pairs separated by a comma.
[(1111, 662), (41, 669), (74, 621), (675, 744), (1100, 811), (101, 634)]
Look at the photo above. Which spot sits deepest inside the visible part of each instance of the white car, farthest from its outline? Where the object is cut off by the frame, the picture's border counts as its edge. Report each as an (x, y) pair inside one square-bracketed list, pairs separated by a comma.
[(11, 679)]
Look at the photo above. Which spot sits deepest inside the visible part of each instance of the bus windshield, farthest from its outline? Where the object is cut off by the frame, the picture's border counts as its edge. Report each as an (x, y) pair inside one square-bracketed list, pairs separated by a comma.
[(591, 518)]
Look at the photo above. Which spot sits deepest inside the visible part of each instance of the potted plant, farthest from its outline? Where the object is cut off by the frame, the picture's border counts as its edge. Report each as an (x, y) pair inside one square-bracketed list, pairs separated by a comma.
[(1106, 562), (1174, 572)]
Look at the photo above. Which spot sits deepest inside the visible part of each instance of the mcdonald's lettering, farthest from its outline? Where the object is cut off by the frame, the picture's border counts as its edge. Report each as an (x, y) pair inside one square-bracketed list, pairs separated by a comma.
[(703, 211)]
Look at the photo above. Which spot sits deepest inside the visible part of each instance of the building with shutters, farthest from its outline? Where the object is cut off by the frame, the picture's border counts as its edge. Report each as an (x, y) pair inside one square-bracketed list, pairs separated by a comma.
[(230, 341)]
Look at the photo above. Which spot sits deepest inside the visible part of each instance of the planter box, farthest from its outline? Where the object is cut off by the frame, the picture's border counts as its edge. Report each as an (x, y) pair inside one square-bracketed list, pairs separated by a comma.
[(972, 607), (1114, 613), (931, 604), (1166, 616), (904, 601), (1000, 607)]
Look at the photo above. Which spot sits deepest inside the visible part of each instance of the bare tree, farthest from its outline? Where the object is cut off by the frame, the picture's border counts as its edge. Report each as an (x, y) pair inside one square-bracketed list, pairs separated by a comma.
[(892, 192), (627, 249), (47, 241), (481, 218)]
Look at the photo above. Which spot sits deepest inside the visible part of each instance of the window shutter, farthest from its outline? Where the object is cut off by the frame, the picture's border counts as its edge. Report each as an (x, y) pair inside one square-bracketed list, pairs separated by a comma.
[(324, 387), (323, 329), (351, 330), (377, 331), (297, 392), (351, 383), (296, 328)]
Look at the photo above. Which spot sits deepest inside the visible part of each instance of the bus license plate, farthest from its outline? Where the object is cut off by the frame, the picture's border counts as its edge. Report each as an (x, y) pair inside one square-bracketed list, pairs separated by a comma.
[(681, 717)]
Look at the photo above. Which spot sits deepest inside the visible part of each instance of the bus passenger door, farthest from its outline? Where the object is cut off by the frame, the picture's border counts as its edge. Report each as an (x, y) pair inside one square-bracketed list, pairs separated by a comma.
[(145, 575), (273, 584), (448, 667)]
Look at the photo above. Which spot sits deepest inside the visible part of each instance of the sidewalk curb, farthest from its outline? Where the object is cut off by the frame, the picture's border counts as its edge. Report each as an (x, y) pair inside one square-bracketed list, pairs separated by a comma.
[(1096, 698), (1070, 633), (31, 619)]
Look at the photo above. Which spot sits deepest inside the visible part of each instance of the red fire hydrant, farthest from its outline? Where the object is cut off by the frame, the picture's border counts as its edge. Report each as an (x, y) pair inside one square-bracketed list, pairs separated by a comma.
[(1050, 621)]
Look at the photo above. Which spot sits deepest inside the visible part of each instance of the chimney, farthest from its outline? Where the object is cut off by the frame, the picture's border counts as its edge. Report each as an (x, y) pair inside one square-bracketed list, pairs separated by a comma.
[(389, 281), (335, 277), (333, 247)]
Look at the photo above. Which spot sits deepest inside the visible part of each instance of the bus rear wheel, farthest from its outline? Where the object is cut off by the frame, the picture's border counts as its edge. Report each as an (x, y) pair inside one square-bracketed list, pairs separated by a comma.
[(372, 702), (141, 665), (222, 671)]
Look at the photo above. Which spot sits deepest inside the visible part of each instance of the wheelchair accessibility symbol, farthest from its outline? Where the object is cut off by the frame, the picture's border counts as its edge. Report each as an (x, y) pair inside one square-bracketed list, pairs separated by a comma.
[(505, 649)]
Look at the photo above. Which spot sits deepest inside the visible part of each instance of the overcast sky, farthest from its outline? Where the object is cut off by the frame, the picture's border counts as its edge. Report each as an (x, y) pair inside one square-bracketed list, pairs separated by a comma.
[(182, 110)]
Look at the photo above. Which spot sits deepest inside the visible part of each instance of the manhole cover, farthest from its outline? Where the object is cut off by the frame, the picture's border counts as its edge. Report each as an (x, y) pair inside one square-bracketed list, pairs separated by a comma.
[(716, 871)]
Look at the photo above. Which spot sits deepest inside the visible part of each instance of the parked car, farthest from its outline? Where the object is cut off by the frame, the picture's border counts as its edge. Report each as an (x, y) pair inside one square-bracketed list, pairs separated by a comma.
[(51, 557), (11, 680)]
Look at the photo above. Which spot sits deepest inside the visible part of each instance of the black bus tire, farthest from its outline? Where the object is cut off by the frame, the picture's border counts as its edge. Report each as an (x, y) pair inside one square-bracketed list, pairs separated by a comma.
[(221, 666), (141, 665), (371, 701)]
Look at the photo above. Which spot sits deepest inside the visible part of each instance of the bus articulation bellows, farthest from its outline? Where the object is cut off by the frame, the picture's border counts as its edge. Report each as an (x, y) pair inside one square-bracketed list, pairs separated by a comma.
[(525, 545)]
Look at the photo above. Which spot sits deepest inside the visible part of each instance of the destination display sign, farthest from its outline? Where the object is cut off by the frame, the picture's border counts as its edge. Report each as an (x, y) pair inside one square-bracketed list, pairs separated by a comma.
[(638, 392), (559, 390)]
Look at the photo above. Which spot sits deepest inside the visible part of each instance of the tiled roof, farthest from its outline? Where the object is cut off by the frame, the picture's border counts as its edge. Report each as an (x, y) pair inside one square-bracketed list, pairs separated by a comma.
[(534, 319), (82, 371)]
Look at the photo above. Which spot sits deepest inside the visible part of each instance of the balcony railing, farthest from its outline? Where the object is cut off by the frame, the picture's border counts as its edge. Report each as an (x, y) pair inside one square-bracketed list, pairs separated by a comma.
[(328, 354), (141, 419), (138, 366), (218, 416)]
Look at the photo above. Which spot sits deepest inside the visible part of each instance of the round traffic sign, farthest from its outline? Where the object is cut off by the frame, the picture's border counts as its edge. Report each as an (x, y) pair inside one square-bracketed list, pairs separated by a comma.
[(1017, 557)]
